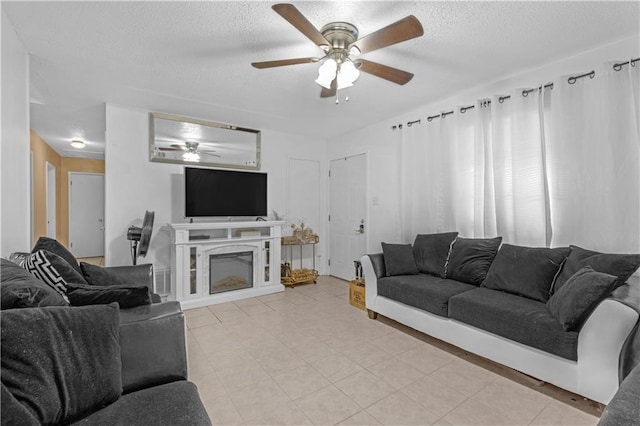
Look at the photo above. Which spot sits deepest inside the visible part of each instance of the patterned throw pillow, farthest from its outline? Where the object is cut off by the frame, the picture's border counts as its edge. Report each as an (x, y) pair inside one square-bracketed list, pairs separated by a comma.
[(41, 267)]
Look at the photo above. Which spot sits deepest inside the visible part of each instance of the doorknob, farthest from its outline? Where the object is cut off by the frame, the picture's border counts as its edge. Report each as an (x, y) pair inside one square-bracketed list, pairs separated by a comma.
[(360, 229)]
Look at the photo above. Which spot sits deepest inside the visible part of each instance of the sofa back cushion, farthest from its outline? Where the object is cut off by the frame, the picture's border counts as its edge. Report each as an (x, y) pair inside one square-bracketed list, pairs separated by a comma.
[(20, 289), (97, 275), (525, 271), (470, 259), (431, 251), (572, 304), (620, 265), (398, 259), (61, 363)]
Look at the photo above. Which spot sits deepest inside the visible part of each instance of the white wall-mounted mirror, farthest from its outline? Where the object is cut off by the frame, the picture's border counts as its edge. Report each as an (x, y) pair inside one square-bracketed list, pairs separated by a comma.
[(183, 140)]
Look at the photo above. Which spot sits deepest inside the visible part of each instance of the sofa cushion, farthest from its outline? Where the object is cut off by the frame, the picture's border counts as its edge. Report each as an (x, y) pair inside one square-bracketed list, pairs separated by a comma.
[(516, 318), (171, 404), (54, 246), (470, 259), (97, 275), (578, 297), (422, 291), (431, 251), (125, 295), (620, 265), (20, 289), (526, 271), (61, 363), (398, 259)]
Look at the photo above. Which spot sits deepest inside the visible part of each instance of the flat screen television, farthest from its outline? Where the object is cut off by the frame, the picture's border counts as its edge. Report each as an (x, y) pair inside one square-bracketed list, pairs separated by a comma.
[(210, 193)]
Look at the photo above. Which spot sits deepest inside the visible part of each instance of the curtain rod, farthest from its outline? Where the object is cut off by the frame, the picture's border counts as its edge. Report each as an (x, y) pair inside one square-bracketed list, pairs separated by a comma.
[(501, 99), (632, 62), (571, 80)]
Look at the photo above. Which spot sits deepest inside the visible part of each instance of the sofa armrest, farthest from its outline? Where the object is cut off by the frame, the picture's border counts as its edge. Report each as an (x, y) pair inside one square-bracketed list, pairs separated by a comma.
[(152, 345), (599, 344), (370, 269), (134, 274)]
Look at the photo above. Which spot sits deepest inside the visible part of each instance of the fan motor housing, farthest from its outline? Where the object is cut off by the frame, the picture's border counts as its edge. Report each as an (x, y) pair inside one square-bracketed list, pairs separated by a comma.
[(340, 34)]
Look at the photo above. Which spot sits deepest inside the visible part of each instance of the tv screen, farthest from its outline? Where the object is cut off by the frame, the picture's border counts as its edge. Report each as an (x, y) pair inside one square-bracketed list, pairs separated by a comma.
[(210, 192)]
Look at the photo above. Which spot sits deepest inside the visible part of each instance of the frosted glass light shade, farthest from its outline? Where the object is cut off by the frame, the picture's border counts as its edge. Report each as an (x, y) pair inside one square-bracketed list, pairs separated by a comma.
[(347, 75), (326, 73), (191, 156), (76, 143)]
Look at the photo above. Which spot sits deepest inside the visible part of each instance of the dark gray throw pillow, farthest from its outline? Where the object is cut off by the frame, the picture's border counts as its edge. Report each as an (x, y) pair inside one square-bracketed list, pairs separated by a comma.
[(20, 289), (470, 259), (525, 271), (125, 295), (620, 265), (572, 304), (398, 259), (97, 275), (431, 251), (54, 246), (62, 363)]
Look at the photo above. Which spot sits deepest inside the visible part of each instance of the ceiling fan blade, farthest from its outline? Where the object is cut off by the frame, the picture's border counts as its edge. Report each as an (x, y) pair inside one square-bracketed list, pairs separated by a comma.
[(170, 149), (402, 30), (383, 71), (297, 19), (329, 93), (283, 62), (178, 147)]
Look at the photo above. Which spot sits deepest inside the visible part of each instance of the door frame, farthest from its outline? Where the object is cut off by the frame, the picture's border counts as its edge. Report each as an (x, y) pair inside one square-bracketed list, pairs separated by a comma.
[(104, 247), (50, 205), (366, 202)]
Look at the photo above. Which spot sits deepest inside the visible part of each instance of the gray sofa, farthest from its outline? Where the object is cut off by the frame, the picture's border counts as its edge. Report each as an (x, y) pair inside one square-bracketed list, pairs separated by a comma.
[(93, 364), (501, 304)]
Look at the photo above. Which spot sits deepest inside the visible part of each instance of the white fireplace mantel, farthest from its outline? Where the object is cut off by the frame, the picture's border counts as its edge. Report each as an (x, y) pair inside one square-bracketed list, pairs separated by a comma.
[(192, 244)]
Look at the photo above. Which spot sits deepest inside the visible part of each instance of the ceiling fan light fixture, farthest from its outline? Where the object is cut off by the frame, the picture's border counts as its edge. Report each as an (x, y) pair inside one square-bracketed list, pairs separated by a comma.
[(77, 143), (327, 72), (347, 75), (191, 156)]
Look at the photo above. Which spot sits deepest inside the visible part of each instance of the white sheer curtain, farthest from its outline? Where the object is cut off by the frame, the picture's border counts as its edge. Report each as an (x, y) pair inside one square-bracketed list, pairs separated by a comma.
[(519, 169), (594, 161), (548, 169)]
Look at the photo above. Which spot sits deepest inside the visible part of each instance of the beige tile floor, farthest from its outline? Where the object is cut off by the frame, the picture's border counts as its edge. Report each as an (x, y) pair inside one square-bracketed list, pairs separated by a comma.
[(305, 356)]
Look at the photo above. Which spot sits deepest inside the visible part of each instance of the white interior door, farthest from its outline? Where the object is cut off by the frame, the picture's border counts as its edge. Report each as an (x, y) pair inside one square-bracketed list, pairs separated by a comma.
[(86, 214), (51, 200), (347, 207)]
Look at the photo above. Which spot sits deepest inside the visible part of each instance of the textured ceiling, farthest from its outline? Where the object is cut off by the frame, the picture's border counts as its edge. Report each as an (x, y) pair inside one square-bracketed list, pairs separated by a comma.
[(193, 58)]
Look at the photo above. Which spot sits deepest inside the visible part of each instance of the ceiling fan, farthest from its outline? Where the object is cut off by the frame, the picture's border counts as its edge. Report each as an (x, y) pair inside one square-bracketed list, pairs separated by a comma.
[(339, 41), (190, 150)]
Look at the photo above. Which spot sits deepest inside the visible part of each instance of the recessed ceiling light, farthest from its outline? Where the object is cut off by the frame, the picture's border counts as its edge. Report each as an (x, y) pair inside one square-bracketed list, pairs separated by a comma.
[(76, 143)]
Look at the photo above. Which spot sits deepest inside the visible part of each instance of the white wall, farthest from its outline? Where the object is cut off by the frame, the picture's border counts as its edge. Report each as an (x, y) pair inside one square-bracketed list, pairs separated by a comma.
[(134, 184), (14, 147), (381, 143)]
